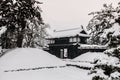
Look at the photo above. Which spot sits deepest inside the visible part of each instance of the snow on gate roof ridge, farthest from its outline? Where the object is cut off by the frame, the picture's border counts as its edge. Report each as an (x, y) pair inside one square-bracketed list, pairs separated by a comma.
[(69, 32)]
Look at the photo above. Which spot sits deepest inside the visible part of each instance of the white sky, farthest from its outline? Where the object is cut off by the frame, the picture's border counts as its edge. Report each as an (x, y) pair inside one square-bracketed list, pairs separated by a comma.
[(70, 13)]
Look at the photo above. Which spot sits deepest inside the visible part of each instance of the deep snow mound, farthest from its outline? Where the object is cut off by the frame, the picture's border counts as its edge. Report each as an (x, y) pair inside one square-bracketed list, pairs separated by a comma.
[(21, 58), (91, 56)]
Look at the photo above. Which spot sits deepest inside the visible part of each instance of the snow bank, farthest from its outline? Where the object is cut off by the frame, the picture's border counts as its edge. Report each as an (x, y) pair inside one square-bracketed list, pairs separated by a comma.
[(87, 60), (90, 56), (28, 58)]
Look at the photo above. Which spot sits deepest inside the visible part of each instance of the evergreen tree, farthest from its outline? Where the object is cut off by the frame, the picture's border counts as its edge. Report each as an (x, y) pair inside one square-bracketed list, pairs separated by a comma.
[(101, 20), (35, 35), (108, 26), (14, 16)]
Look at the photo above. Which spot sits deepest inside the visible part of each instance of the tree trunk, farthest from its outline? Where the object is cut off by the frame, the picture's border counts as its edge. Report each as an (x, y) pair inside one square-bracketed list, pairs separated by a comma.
[(20, 35), (19, 40)]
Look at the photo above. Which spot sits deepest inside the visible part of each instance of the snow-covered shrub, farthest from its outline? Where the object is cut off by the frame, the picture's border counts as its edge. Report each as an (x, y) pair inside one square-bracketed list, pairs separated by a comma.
[(98, 74), (98, 78), (115, 76), (105, 67), (113, 52)]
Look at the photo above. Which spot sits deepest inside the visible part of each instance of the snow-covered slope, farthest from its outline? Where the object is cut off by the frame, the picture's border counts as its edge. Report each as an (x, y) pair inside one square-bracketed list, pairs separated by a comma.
[(90, 56), (28, 58), (87, 60), (68, 73)]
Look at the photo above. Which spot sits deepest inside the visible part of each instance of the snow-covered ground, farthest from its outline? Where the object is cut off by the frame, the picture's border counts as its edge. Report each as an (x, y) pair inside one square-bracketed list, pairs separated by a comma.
[(36, 64), (90, 56), (68, 73), (87, 60), (28, 58)]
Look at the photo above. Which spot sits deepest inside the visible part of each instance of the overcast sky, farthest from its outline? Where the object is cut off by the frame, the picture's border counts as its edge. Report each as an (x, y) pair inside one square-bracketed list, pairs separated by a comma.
[(70, 13)]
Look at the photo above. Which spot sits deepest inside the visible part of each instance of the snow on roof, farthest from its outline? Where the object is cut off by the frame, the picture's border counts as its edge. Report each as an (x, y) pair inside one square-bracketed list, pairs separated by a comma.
[(28, 58), (86, 46), (69, 33)]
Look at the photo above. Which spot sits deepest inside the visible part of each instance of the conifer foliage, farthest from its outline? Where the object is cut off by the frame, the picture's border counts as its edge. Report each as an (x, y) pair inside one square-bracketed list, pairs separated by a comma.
[(19, 19), (102, 20), (106, 24)]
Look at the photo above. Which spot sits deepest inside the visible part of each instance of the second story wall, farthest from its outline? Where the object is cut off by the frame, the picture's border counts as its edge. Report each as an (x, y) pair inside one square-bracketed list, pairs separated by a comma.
[(68, 40)]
